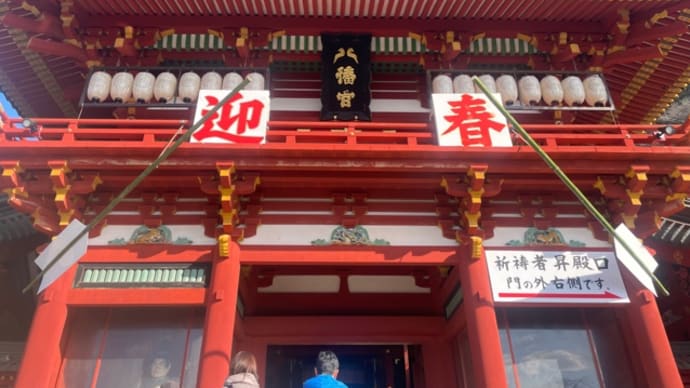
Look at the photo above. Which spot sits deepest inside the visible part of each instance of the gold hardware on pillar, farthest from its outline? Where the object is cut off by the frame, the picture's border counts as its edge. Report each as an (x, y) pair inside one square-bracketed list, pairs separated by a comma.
[(476, 247), (224, 245)]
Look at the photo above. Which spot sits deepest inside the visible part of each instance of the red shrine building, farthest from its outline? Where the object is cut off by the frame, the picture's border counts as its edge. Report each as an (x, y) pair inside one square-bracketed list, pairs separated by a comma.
[(188, 179)]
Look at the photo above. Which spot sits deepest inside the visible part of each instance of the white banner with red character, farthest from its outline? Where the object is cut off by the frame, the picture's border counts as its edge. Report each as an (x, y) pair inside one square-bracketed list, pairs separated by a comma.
[(242, 120), (470, 120)]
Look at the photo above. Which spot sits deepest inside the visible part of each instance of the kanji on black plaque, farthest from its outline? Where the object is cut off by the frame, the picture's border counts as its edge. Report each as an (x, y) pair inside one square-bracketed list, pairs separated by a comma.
[(345, 77)]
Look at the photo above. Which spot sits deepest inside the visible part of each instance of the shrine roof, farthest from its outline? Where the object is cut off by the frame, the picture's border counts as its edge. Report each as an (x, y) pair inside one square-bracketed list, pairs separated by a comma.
[(642, 47), (13, 225)]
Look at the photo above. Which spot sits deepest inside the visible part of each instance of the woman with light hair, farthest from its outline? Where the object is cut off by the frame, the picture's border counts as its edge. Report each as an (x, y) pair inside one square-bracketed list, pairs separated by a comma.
[(243, 371)]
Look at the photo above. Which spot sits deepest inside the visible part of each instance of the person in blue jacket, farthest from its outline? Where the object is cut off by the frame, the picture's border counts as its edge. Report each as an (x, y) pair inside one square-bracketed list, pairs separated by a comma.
[(326, 371)]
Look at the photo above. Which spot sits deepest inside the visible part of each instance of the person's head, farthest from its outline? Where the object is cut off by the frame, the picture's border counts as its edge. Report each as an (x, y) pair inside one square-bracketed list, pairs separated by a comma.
[(243, 362), (160, 366), (327, 363)]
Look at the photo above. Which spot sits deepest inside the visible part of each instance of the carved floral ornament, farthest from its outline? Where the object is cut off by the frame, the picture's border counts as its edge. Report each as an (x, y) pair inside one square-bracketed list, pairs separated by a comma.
[(146, 235), (549, 236), (350, 236)]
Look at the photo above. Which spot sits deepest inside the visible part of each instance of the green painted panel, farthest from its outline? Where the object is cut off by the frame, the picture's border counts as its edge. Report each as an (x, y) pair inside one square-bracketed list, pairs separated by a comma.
[(501, 46), (190, 42), (312, 44), (119, 275)]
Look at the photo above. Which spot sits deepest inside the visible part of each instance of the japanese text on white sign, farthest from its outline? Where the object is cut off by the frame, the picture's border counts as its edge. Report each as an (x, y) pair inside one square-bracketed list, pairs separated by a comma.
[(555, 277), (243, 119), (469, 120)]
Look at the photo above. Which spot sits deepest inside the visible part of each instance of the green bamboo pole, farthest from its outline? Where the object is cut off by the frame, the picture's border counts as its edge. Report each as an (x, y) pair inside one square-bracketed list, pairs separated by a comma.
[(163, 156), (564, 178)]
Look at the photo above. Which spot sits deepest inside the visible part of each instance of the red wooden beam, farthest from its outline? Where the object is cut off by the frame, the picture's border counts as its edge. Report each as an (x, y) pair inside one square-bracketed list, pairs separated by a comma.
[(35, 6), (258, 273), (44, 24), (633, 55), (131, 297), (154, 253), (277, 255), (328, 330), (294, 25), (44, 46), (348, 304), (640, 34)]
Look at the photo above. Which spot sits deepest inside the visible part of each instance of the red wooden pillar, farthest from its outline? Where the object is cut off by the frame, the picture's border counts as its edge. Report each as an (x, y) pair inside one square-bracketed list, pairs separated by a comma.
[(219, 326), (650, 336), (43, 355), (439, 370), (482, 327)]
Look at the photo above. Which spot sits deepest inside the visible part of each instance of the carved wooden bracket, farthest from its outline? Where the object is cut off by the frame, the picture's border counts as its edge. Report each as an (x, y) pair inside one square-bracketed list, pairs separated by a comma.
[(470, 191), (229, 187), (69, 189), (624, 195)]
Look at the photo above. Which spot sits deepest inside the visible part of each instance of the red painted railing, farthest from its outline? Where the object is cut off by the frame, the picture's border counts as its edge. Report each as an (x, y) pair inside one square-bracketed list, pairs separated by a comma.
[(295, 133)]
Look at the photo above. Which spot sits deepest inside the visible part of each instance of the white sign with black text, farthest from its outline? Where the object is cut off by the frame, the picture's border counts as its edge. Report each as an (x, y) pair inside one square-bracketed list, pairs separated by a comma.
[(555, 277)]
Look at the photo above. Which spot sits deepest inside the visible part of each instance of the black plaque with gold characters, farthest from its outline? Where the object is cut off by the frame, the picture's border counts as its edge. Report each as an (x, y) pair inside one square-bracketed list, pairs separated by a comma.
[(345, 77)]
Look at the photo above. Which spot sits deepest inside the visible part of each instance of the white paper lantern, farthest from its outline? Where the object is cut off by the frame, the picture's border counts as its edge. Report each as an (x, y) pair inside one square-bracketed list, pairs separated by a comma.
[(442, 84), (507, 87), (573, 90), (99, 86), (487, 80), (165, 86), (189, 86), (463, 84), (256, 81), (529, 90), (121, 87), (231, 80), (551, 90), (142, 87), (211, 81), (595, 91)]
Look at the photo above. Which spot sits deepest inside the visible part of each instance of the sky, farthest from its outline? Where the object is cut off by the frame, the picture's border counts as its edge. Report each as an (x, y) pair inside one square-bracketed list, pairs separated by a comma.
[(9, 109)]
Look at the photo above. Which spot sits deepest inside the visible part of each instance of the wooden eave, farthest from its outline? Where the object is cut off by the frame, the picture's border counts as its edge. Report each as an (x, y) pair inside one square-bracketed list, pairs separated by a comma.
[(42, 69)]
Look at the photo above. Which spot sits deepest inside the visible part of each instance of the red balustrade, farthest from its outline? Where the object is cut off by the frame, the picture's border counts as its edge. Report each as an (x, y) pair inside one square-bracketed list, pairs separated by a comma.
[(293, 134)]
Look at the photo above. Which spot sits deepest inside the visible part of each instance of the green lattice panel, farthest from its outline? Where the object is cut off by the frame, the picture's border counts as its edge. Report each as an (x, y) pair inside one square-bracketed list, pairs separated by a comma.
[(133, 276)]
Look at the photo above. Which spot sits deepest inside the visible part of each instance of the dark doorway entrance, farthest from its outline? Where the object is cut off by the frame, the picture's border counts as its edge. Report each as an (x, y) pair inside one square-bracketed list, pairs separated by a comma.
[(361, 366)]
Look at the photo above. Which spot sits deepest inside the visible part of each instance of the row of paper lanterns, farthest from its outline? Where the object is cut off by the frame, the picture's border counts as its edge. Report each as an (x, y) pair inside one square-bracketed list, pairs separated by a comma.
[(530, 90), (124, 87)]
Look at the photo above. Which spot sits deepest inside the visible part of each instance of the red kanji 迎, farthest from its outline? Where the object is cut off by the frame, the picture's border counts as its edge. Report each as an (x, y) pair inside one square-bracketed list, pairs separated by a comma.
[(472, 120), (232, 127)]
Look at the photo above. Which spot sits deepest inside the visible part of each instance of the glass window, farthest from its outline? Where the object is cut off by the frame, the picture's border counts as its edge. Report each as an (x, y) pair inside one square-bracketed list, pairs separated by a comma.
[(192, 359), (610, 346), (83, 346), (467, 374), (563, 348), (507, 352), (138, 348)]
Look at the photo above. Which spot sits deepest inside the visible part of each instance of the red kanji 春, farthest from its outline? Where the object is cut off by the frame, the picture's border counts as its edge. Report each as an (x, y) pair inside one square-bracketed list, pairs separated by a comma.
[(472, 120), (232, 127)]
